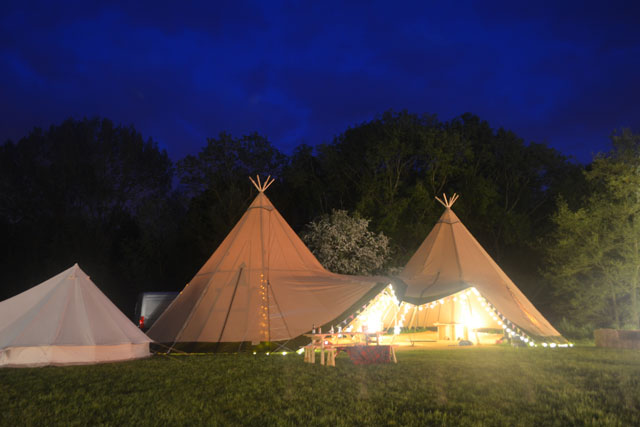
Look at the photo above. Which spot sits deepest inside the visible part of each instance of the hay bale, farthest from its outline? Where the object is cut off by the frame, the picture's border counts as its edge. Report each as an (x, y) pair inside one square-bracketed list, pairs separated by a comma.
[(612, 338), (605, 337), (629, 339)]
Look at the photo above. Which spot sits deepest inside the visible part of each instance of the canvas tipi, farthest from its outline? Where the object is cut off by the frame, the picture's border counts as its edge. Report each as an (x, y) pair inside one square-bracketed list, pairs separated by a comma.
[(262, 284), (66, 320), (451, 280)]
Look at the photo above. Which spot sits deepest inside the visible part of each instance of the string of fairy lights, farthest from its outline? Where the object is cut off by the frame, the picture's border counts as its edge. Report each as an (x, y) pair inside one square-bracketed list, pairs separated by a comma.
[(264, 308), (510, 328), (372, 315)]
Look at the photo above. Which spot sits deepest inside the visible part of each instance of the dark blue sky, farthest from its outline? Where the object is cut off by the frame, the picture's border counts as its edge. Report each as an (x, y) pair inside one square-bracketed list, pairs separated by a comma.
[(301, 71)]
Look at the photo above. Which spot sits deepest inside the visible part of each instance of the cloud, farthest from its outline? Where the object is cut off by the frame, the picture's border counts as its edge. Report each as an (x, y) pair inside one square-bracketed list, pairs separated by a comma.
[(304, 72)]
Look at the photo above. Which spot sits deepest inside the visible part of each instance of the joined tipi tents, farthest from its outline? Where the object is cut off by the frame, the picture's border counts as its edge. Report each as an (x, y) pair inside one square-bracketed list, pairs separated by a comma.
[(448, 262), (66, 320), (262, 284)]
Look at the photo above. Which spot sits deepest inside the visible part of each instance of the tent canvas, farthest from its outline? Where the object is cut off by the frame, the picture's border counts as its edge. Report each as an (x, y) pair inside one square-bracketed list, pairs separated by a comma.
[(66, 320), (262, 284), (449, 261)]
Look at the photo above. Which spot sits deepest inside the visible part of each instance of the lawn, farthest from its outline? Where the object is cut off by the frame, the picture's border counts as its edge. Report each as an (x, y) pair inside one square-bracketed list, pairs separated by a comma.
[(471, 386)]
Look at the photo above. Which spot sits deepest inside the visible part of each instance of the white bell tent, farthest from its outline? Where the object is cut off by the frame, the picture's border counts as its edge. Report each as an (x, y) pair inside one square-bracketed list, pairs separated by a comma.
[(66, 320)]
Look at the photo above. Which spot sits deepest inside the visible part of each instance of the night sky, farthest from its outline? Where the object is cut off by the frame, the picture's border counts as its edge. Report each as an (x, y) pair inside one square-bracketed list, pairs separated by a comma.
[(304, 71)]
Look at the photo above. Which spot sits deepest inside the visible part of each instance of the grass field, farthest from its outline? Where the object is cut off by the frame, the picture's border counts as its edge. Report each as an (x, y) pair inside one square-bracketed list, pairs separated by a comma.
[(472, 386)]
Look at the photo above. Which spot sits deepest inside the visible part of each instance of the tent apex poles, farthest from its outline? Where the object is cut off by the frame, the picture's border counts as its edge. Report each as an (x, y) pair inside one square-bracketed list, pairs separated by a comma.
[(262, 186), (447, 203)]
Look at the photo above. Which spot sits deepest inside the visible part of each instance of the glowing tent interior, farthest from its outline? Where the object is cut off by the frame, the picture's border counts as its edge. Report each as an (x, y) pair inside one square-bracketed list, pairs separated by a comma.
[(66, 320), (262, 284), (455, 287)]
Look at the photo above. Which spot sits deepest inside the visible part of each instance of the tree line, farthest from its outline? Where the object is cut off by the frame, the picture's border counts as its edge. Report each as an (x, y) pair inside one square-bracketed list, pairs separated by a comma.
[(97, 193)]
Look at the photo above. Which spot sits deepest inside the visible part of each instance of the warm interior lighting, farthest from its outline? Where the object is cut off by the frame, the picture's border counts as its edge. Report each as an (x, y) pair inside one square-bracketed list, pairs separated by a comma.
[(373, 321)]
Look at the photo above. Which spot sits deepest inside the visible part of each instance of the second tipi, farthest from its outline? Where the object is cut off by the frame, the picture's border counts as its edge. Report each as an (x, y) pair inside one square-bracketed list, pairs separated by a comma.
[(453, 281), (262, 284)]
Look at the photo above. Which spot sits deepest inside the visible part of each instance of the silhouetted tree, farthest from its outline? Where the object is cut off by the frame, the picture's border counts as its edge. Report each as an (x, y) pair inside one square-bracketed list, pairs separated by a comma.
[(99, 194), (217, 182), (73, 193)]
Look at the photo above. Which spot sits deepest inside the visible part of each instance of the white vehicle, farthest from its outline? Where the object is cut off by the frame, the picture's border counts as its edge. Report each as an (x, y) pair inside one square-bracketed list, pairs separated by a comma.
[(150, 306)]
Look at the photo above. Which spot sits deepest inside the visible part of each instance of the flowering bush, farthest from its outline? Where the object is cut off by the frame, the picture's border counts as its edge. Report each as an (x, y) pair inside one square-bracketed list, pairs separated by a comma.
[(344, 244)]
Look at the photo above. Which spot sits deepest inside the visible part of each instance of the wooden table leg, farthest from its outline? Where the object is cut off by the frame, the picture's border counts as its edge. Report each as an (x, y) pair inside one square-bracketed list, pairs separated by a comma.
[(331, 357)]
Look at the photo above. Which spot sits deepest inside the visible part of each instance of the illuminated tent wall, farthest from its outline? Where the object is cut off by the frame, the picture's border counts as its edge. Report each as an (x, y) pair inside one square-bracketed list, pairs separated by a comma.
[(66, 320), (451, 263), (262, 284)]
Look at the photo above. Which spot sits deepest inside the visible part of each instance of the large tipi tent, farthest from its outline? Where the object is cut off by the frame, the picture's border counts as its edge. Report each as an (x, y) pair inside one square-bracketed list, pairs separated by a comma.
[(452, 280), (262, 284), (66, 320)]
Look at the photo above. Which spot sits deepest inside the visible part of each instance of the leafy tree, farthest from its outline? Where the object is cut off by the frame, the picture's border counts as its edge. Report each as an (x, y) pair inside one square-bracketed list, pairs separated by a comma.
[(509, 188), (508, 193), (344, 244), (304, 184), (73, 193), (225, 160), (97, 193), (594, 256), (389, 169)]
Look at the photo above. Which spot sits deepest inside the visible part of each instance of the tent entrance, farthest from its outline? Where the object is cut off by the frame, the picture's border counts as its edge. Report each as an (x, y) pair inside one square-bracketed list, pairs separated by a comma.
[(464, 315)]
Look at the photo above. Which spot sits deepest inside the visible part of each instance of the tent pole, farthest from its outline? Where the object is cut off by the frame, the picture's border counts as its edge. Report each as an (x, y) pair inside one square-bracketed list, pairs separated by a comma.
[(233, 296), (471, 314), (413, 317), (384, 316), (275, 300)]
